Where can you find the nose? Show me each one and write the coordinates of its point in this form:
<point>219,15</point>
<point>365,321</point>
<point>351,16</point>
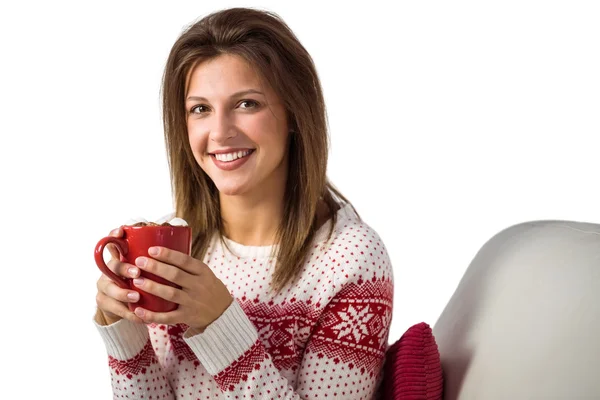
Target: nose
<point>222,128</point>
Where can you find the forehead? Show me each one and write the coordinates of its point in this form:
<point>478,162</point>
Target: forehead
<point>221,75</point>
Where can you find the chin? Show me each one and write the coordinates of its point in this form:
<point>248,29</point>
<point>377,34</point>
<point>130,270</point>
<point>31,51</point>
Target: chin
<point>231,188</point>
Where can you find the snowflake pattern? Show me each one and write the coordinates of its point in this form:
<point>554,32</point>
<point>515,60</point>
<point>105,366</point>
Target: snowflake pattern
<point>322,336</point>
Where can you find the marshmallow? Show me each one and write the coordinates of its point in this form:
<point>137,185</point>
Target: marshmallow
<point>136,220</point>
<point>172,222</point>
<point>178,222</point>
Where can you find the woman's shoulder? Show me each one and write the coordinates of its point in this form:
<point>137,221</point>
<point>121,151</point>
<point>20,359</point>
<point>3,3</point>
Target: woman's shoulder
<point>348,226</point>
<point>354,247</point>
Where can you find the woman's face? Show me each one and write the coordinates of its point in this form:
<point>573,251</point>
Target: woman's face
<point>237,127</point>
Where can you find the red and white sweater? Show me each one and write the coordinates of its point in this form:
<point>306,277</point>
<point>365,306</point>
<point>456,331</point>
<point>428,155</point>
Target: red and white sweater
<point>323,336</point>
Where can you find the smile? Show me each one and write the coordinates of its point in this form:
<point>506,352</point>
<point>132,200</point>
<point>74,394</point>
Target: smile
<point>228,157</point>
<point>232,159</point>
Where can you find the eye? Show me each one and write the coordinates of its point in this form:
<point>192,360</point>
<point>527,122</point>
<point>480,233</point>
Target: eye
<point>199,109</point>
<point>249,104</point>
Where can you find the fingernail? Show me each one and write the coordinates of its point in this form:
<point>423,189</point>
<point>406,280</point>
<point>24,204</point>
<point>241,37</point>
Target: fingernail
<point>133,272</point>
<point>153,251</point>
<point>141,261</point>
<point>138,281</point>
<point>135,296</point>
<point>139,312</point>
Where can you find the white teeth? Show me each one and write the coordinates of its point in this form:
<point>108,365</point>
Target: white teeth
<point>232,156</point>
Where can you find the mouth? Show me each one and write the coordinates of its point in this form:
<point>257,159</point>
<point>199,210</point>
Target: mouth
<point>230,156</point>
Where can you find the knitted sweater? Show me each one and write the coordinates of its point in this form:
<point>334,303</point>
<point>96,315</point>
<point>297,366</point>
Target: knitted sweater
<point>323,336</point>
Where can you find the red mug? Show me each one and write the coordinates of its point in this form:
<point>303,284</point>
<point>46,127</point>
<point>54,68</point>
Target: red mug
<point>135,243</point>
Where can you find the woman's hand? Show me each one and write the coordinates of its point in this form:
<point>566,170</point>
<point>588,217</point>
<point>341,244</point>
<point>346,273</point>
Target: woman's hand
<point>202,297</point>
<point>111,299</point>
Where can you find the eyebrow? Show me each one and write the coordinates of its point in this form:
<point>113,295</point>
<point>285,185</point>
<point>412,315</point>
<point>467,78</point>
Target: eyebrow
<point>237,94</point>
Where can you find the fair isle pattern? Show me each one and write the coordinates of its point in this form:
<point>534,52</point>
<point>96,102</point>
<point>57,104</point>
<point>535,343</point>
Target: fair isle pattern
<point>241,369</point>
<point>323,336</point>
<point>135,365</point>
<point>179,347</point>
<point>356,326</point>
<point>140,374</point>
<point>282,328</point>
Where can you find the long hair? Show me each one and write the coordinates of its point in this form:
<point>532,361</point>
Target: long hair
<point>264,40</point>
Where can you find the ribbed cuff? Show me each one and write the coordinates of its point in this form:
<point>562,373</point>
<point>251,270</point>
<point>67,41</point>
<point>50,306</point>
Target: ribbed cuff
<point>123,339</point>
<point>224,341</point>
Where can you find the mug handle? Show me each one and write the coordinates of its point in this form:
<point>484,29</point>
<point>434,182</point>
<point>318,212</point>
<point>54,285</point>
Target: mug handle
<point>99,257</point>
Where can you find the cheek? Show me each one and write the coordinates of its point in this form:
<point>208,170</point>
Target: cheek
<point>270,134</point>
<point>198,141</point>
<point>279,143</point>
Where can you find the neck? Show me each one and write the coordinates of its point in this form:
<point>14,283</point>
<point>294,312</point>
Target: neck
<point>253,220</point>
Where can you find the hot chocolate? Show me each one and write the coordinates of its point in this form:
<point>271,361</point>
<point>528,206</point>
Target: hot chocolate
<point>151,224</point>
<point>144,222</point>
<point>138,236</point>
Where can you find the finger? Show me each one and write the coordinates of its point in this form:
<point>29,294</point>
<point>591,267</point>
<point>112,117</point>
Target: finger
<point>123,269</point>
<point>167,318</point>
<point>166,271</point>
<point>118,232</point>
<point>110,305</point>
<point>158,289</point>
<point>187,263</point>
<point>114,291</point>
<point>114,252</point>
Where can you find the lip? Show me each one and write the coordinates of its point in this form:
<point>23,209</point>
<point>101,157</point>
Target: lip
<point>230,165</point>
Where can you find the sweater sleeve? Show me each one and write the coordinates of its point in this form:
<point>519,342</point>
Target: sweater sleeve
<point>134,369</point>
<point>343,357</point>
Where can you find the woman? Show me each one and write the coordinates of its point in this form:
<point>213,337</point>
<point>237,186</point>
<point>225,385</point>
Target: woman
<point>293,298</point>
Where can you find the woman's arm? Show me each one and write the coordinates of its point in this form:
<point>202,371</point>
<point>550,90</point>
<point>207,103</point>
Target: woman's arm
<point>134,369</point>
<point>343,357</point>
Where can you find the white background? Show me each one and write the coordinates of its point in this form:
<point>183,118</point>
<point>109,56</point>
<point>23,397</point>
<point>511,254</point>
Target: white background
<point>450,121</point>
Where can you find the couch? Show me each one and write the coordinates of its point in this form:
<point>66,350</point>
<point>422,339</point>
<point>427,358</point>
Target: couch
<point>524,321</point>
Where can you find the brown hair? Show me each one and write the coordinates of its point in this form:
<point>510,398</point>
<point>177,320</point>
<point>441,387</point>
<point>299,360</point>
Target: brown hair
<point>268,44</point>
